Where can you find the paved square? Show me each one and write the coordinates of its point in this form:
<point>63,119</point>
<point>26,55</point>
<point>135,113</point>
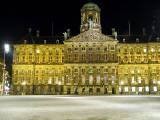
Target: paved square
<point>80,108</point>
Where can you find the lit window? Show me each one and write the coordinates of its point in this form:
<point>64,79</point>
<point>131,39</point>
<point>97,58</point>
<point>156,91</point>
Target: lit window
<point>112,81</point>
<point>113,77</point>
<point>152,49</point>
<point>90,71</point>
<point>38,51</point>
<point>98,79</point>
<point>138,71</point>
<point>132,71</point>
<point>132,80</point>
<point>147,89</point>
<point>140,89</point>
<point>139,81</point>
<point>126,89</point>
<point>120,89</point>
<point>145,50</point>
<point>154,81</point>
<point>50,81</point>
<point>56,80</point>
<point>159,82</point>
<point>62,79</point>
<point>155,88</point>
<point>90,79</point>
<point>83,79</point>
<point>133,89</point>
<point>105,78</point>
<point>122,82</point>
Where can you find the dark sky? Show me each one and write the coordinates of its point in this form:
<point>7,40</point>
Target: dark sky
<point>16,18</point>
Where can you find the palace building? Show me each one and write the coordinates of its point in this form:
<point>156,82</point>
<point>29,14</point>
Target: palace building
<point>90,63</point>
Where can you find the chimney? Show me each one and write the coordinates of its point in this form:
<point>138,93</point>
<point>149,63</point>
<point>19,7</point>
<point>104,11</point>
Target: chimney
<point>68,33</point>
<point>57,41</point>
<point>25,41</point>
<point>113,31</point>
<point>37,33</point>
<point>158,39</point>
<point>144,31</point>
<point>45,41</point>
<point>137,40</point>
<point>29,30</point>
<point>124,40</point>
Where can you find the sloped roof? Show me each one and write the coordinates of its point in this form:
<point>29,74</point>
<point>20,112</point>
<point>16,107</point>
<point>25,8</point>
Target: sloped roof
<point>90,36</point>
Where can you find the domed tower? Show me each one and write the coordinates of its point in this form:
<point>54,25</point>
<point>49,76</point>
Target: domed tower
<point>90,17</point>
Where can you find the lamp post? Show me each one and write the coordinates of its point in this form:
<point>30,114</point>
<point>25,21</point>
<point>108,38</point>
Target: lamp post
<point>6,50</point>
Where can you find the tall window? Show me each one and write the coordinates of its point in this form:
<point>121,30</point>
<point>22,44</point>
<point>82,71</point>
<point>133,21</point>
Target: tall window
<point>83,79</point>
<point>98,57</point>
<point>83,57</point>
<point>98,79</point>
<point>90,79</point>
<point>105,56</point>
<point>76,57</point>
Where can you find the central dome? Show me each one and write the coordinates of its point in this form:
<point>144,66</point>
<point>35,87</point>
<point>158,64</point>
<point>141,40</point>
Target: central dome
<point>90,4</point>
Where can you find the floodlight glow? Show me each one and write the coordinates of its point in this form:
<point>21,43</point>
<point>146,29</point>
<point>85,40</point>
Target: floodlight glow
<point>122,82</point>
<point>23,83</point>
<point>59,83</point>
<point>6,48</point>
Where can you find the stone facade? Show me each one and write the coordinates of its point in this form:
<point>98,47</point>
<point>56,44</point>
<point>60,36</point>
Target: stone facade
<point>90,63</point>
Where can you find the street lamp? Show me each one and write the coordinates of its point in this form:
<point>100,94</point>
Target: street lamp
<point>6,50</point>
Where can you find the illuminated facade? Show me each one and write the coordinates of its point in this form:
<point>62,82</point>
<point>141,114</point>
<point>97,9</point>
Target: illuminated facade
<point>90,63</point>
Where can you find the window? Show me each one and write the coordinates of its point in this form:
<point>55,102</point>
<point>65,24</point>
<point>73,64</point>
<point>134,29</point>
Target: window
<point>132,71</point>
<point>98,79</point>
<point>98,70</point>
<point>105,78</point>
<point>83,48</point>
<point>97,49</point>
<point>98,56</point>
<point>83,57</point>
<point>90,71</point>
<point>120,90</point>
<point>50,81</point>
<point>152,50</point>
<point>105,70</point>
<point>76,57</point>
<point>75,70</point>
<point>147,89</point>
<point>145,50</point>
<point>90,49</point>
<point>105,56</point>
<point>140,89</point>
<point>75,49</point>
<point>90,79</point>
<point>69,49</point>
<point>126,89</point>
<point>105,49</point>
<point>133,89</point>
<point>132,79</point>
<point>155,88</point>
<point>38,51</point>
<point>139,80</point>
<point>122,82</point>
<point>83,79</point>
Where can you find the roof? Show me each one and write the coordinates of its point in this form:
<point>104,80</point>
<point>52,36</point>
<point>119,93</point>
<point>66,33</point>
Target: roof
<point>90,4</point>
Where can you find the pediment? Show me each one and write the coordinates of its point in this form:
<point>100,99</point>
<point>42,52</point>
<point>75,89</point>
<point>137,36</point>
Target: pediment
<point>90,36</point>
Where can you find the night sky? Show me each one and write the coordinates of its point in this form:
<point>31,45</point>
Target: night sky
<point>16,18</point>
